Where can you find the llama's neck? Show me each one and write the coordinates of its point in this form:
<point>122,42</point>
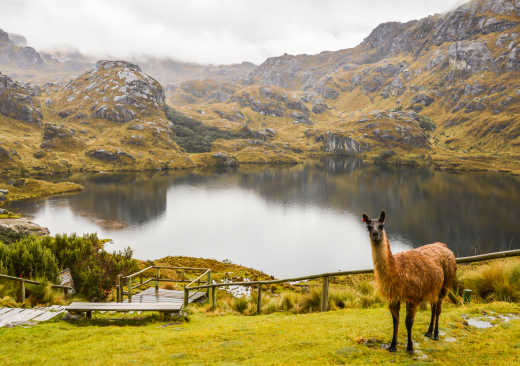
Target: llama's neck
<point>384,262</point>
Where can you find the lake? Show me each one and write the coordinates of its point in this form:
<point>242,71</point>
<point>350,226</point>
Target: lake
<point>289,220</point>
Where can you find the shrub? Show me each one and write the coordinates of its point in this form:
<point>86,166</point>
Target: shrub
<point>240,304</point>
<point>342,299</point>
<point>310,302</point>
<point>426,123</point>
<point>288,301</point>
<point>29,258</point>
<point>93,269</point>
<point>43,293</point>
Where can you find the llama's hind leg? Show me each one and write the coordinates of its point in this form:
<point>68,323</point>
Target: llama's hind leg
<point>394,309</point>
<point>410,316</point>
<point>438,308</point>
<point>429,333</point>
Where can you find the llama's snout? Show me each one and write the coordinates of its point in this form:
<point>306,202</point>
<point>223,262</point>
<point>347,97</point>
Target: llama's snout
<point>376,236</point>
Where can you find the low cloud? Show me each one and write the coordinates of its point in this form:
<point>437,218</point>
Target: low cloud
<point>205,31</point>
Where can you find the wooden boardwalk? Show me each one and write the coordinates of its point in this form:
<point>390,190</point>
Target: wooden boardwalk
<point>166,301</point>
<point>10,317</point>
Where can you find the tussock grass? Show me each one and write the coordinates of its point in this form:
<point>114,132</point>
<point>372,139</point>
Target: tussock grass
<point>496,281</point>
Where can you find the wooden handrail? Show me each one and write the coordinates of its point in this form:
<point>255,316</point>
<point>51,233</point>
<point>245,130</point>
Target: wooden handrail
<point>325,277</point>
<point>20,279</point>
<point>23,281</point>
<point>162,267</point>
<point>198,278</point>
<point>473,258</point>
<point>488,256</point>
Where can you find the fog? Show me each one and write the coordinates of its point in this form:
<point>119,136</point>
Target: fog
<point>205,31</point>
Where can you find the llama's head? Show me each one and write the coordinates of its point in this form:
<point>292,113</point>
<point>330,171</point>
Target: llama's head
<point>375,227</point>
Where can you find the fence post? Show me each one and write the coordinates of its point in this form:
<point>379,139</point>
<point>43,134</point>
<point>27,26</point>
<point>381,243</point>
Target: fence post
<point>119,289</point>
<point>186,296</point>
<point>325,294</point>
<point>213,297</point>
<point>259,300</point>
<point>129,289</point>
<point>157,276</point>
<point>209,282</point>
<point>23,291</point>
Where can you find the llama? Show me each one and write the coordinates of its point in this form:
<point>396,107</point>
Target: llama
<point>422,274</point>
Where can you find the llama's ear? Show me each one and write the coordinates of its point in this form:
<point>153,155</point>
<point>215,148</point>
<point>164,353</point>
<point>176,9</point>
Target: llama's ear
<point>365,218</point>
<point>382,217</point>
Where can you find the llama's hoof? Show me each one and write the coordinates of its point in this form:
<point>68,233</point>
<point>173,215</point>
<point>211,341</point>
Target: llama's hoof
<point>435,337</point>
<point>392,348</point>
<point>428,334</point>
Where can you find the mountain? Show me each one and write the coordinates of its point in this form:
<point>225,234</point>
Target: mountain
<point>441,91</point>
<point>453,75</point>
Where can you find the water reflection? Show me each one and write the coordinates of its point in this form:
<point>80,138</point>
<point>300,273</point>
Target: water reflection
<point>289,220</point>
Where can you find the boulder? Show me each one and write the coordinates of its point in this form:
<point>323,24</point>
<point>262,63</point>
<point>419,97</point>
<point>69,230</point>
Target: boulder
<point>300,117</point>
<point>14,229</point>
<point>423,99</point>
<point>117,113</point>
<point>224,160</point>
<point>109,156</point>
<point>54,134</point>
<point>319,108</point>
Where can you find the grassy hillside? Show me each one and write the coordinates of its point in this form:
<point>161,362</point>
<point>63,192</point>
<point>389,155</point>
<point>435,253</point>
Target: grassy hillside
<point>351,337</point>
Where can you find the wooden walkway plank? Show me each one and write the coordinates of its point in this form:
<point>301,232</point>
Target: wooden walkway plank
<point>48,315</point>
<point>19,316</point>
<point>125,307</point>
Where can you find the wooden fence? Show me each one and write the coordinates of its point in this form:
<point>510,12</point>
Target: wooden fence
<point>325,280</point>
<point>156,278</point>
<point>23,281</point>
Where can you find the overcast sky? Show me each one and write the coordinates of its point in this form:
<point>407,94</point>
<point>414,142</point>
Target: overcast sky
<point>206,31</point>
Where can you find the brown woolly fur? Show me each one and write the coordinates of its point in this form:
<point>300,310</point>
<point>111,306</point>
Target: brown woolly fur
<point>422,274</point>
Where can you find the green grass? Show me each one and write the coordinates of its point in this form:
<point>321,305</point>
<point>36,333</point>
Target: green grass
<point>352,336</point>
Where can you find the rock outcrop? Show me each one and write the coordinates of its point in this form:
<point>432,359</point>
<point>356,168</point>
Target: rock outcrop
<point>115,90</point>
<point>111,156</point>
<point>14,229</point>
<point>16,101</point>
<point>339,144</point>
<point>14,51</point>
<point>55,135</point>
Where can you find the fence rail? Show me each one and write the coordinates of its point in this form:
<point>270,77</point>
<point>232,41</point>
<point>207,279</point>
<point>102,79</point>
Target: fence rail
<point>325,279</point>
<point>23,281</point>
<point>156,277</point>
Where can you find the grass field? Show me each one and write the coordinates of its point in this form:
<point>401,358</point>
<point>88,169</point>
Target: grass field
<point>351,336</point>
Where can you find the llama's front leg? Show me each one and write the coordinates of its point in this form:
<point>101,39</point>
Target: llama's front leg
<point>394,309</point>
<point>432,320</point>
<point>410,316</point>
